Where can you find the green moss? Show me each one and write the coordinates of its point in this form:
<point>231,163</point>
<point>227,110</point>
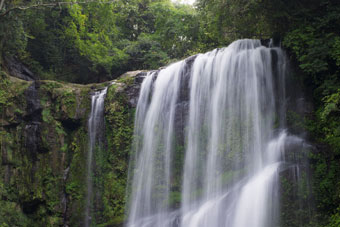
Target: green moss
<point>40,177</point>
<point>12,98</point>
<point>127,80</point>
<point>58,169</point>
<point>175,199</point>
<point>11,215</point>
<point>50,85</point>
<point>112,163</point>
<point>46,115</point>
<point>68,100</point>
<point>295,121</point>
<point>75,183</point>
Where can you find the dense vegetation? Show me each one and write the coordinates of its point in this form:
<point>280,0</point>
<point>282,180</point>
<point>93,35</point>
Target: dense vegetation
<point>96,41</point>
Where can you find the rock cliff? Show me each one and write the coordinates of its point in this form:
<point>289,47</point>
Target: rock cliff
<point>44,142</point>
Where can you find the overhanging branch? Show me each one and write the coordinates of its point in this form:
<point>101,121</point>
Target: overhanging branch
<point>54,4</point>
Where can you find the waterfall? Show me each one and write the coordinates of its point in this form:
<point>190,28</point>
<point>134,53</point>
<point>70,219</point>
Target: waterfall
<point>94,126</point>
<point>212,130</point>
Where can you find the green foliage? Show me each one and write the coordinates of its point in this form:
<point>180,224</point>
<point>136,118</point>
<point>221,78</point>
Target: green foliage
<point>11,215</point>
<point>176,28</point>
<point>336,50</point>
<point>146,53</point>
<point>93,32</point>
<point>335,220</point>
<point>224,21</point>
<point>330,120</point>
<point>311,49</point>
<point>99,40</point>
<point>46,115</point>
<point>13,38</point>
<point>12,90</point>
<point>74,185</point>
<point>332,104</point>
<point>314,44</point>
<point>175,199</point>
<point>3,92</point>
<point>119,131</point>
<point>326,189</point>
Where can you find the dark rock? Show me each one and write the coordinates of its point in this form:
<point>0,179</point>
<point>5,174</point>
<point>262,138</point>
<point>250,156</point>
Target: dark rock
<point>33,139</point>
<point>33,109</point>
<point>274,42</point>
<point>181,117</point>
<point>182,106</point>
<point>33,135</point>
<point>296,150</point>
<point>140,77</point>
<point>132,91</point>
<point>190,60</point>
<point>71,124</point>
<point>17,69</point>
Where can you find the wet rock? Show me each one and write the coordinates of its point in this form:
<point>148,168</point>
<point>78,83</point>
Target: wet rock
<point>33,109</point>
<point>181,118</point>
<point>274,42</point>
<point>133,84</point>
<point>33,135</point>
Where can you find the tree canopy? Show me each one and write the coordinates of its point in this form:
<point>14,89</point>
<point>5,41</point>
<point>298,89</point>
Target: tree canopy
<point>89,41</point>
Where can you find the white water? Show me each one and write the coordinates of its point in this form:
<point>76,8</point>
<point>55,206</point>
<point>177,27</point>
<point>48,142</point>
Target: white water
<point>233,152</point>
<point>94,122</point>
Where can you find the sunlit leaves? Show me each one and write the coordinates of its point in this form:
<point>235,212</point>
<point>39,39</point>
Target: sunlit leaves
<point>93,31</point>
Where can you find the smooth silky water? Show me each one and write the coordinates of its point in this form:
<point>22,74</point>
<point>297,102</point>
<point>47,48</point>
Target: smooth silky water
<point>94,127</point>
<point>234,140</point>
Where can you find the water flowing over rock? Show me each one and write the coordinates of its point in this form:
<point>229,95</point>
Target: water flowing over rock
<point>95,126</point>
<point>211,129</point>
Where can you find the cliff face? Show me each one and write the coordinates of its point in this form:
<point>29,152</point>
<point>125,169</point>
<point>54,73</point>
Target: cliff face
<point>44,143</point>
<point>44,147</point>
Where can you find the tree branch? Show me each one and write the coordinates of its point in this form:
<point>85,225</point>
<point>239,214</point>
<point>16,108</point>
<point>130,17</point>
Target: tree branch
<point>48,5</point>
<point>1,4</point>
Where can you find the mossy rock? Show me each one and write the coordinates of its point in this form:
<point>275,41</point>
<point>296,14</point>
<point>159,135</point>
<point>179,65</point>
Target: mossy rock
<point>45,186</point>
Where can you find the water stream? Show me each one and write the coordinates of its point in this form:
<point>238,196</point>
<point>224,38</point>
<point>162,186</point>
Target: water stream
<point>210,131</point>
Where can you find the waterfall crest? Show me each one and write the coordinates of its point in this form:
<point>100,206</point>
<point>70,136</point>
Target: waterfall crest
<point>226,109</point>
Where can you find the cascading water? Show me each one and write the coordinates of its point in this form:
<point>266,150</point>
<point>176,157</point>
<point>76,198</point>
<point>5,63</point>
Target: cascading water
<point>232,102</point>
<point>94,126</point>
